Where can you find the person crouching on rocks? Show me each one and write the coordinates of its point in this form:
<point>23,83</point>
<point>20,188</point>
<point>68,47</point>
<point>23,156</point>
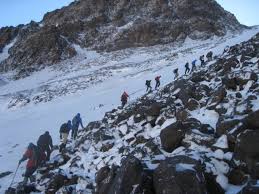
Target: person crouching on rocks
<point>148,84</point>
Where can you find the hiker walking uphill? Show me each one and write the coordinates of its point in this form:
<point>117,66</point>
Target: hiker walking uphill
<point>148,84</point>
<point>209,56</point>
<point>64,132</point>
<point>202,61</point>
<point>124,99</point>
<point>176,74</point>
<point>76,121</point>
<point>35,159</point>
<point>45,144</point>
<point>194,65</point>
<point>187,68</point>
<point>157,79</point>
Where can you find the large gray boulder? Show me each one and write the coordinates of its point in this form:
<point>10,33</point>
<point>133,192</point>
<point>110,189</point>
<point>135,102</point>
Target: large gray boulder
<point>179,175</point>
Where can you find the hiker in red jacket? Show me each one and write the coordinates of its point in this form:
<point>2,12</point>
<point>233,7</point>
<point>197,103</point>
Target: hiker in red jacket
<point>35,158</point>
<point>124,99</point>
<point>157,81</point>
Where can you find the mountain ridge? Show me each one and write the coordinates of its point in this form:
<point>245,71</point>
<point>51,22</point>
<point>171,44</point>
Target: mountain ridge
<point>111,25</point>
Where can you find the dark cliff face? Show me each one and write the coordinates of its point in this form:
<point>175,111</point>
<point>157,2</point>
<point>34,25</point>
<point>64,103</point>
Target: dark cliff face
<point>113,25</point>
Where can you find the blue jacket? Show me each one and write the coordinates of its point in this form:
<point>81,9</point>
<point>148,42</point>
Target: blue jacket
<point>76,122</point>
<point>193,63</point>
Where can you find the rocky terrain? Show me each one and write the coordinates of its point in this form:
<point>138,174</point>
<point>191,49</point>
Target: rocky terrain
<point>198,134</point>
<point>107,25</point>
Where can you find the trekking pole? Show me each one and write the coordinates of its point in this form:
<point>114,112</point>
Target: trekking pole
<point>14,175</point>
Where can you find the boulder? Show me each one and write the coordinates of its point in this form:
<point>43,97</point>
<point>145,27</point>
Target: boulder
<point>101,136</point>
<point>237,177</point>
<point>56,183</point>
<point>172,136</point>
<point>104,179</point>
<point>129,178</point>
<point>223,127</point>
<point>153,110</point>
<point>192,104</point>
<point>250,188</point>
<point>179,175</point>
<point>247,150</point>
<point>252,121</point>
<point>212,185</point>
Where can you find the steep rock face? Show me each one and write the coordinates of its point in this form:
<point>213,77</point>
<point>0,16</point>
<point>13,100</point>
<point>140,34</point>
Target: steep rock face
<point>114,25</point>
<point>7,34</point>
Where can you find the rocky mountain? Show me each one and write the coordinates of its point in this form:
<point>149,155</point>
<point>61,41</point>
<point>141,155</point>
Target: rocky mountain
<point>107,25</point>
<point>198,134</point>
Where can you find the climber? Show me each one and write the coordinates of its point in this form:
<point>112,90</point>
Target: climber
<point>176,74</point>
<point>76,121</point>
<point>202,61</point>
<point>187,69</point>
<point>64,132</point>
<point>124,99</point>
<point>209,56</point>
<point>148,84</point>
<point>193,65</point>
<point>157,79</point>
<point>35,159</point>
<point>45,144</point>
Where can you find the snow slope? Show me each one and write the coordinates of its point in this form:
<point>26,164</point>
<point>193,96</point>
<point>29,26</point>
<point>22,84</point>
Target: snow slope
<point>91,83</point>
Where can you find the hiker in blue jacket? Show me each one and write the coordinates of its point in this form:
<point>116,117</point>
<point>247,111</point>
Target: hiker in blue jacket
<point>75,125</point>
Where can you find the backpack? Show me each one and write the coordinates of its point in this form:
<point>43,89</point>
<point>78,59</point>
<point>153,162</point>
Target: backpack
<point>148,82</point>
<point>63,128</point>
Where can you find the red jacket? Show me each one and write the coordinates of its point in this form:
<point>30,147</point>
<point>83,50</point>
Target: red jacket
<point>158,78</point>
<point>124,96</point>
<point>32,162</point>
<point>34,158</point>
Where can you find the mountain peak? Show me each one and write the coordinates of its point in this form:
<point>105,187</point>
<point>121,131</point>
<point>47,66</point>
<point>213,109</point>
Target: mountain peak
<point>106,25</point>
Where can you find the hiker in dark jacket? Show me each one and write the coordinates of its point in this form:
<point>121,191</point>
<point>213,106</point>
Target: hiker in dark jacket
<point>187,68</point>
<point>176,73</point>
<point>124,99</point>
<point>64,132</point>
<point>45,144</point>
<point>209,56</point>
<point>194,65</point>
<point>202,61</point>
<point>157,81</point>
<point>76,121</point>
<point>148,84</point>
<point>35,159</point>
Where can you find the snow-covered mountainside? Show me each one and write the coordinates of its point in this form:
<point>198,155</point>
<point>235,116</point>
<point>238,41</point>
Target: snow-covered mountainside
<point>109,25</point>
<point>196,118</point>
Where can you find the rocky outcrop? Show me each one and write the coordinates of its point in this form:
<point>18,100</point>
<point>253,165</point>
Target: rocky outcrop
<point>171,137</point>
<point>179,175</point>
<point>129,178</point>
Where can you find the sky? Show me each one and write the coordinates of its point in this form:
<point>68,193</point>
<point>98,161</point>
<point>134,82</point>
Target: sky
<point>14,12</point>
<point>246,11</point>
